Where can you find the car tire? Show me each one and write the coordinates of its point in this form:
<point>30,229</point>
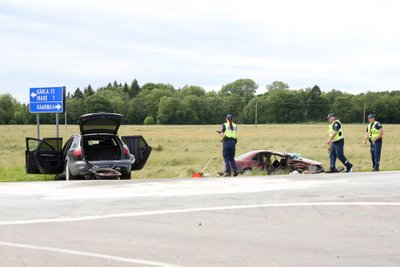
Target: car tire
<point>126,176</point>
<point>247,171</point>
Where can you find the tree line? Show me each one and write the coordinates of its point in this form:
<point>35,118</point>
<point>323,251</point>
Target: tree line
<point>159,103</point>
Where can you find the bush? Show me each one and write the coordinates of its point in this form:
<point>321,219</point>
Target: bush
<point>149,120</point>
<point>12,122</point>
<point>158,148</point>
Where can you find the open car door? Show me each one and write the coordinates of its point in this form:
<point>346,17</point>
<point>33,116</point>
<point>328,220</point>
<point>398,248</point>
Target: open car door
<point>139,148</point>
<point>44,156</point>
<point>30,161</point>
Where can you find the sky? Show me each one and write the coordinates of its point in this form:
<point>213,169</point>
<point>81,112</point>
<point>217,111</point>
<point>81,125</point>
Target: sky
<point>348,45</point>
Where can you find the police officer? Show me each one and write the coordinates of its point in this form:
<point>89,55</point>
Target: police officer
<point>374,135</point>
<point>336,143</point>
<point>229,139</point>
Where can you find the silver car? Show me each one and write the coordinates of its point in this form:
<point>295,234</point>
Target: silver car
<point>96,152</point>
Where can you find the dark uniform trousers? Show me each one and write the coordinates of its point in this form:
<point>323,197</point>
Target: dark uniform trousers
<point>228,151</point>
<point>376,149</point>
<point>337,152</point>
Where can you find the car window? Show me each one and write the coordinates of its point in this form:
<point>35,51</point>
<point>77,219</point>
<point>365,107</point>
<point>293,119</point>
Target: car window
<point>50,144</point>
<point>100,125</point>
<point>261,157</point>
<point>68,144</point>
<point>99,141</point>
<point>33,144</point>
<point>75,142</point>
<point>244,155</point>
<point>93,142</point>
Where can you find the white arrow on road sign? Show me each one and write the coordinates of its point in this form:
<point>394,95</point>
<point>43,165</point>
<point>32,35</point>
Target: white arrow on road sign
<point>33,94</point>
<point>58,107</point>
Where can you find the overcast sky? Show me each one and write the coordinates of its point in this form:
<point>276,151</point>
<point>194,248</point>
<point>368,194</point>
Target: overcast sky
<point>350,45</point>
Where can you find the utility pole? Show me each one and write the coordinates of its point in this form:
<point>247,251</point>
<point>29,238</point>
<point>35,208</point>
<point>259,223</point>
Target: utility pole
<point>65,116</point>
<point>65,108</point>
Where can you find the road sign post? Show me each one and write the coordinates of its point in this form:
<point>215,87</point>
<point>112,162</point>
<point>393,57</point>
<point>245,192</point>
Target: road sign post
<point>57,126</point>
<point>38,125</point>
<point>46,100</point>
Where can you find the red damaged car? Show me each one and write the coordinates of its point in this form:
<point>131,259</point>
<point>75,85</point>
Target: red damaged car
<point>272,162</point>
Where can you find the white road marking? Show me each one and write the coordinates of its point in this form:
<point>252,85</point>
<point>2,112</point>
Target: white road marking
<point>79,190</point>
<point>234,207</point>
<point>87,254</point>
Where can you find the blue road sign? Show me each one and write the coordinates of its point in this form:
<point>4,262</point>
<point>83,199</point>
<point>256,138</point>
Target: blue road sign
<point>46,100</point>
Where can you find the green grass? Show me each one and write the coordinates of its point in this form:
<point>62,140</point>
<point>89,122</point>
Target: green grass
<point>181,150</point>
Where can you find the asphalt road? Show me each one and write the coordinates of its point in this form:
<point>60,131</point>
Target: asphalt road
<point>306,220</point>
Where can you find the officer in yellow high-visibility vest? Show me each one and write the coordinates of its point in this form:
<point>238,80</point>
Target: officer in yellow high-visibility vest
<point>336,143</point>
<point>229,139</point>
<point>374,135</point>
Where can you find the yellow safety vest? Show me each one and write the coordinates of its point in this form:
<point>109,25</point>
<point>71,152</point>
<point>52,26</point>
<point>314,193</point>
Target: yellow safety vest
<point>230,133</point>
<point>339,134</point>
<point>372,131</point>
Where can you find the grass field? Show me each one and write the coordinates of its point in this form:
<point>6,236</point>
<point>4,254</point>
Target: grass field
<point>181,150</point>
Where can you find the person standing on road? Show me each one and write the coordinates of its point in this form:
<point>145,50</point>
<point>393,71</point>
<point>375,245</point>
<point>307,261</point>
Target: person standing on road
<point>374,135</point>
<point>336,144</point>
<point>229,140</point>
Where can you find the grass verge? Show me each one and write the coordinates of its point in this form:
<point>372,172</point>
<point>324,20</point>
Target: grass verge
<point>180,151</point>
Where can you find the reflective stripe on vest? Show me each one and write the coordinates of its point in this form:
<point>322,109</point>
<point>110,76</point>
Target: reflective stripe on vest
<point>339,134</point>
<point>372,131</point>
<point>230,133</point>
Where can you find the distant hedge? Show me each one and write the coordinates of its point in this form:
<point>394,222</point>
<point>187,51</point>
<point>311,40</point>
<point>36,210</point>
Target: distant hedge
<point>163,104</point>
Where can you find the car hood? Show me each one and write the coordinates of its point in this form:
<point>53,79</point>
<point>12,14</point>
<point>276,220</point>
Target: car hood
<point>100,123</point>
<point>297,157</point>
<point>310,161</point>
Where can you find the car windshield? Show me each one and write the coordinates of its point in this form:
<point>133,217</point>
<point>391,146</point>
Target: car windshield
<point>294,156</point>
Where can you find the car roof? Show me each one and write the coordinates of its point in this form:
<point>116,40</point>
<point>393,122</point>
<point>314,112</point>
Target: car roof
<point>254,152</point>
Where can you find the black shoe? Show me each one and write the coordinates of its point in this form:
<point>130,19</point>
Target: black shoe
<point>332,171</point>
<point>227,175</point>
<point>235,174</point>
<point>349,167</point>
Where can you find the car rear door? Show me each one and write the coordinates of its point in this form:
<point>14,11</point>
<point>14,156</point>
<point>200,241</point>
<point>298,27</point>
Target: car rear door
<point>30,159</point>
<point>139,148</point>
<point>44,156</point>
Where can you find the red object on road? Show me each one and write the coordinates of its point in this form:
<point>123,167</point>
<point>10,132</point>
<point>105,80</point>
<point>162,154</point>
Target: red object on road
<point>201,173</point>
<point>197,175</point>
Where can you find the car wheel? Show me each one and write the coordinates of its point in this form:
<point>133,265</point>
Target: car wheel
<point>126,176</point>
<point>247,171</point>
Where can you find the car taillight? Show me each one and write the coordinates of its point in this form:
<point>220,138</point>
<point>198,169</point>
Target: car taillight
<point>78,152</point>
<point>126,151</point>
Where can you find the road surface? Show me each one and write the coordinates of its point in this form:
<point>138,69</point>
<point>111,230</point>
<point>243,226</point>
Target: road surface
<point>305,220</point>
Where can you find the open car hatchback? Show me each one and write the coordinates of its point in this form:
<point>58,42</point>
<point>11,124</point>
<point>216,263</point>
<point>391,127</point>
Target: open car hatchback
<point>97,152</point>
